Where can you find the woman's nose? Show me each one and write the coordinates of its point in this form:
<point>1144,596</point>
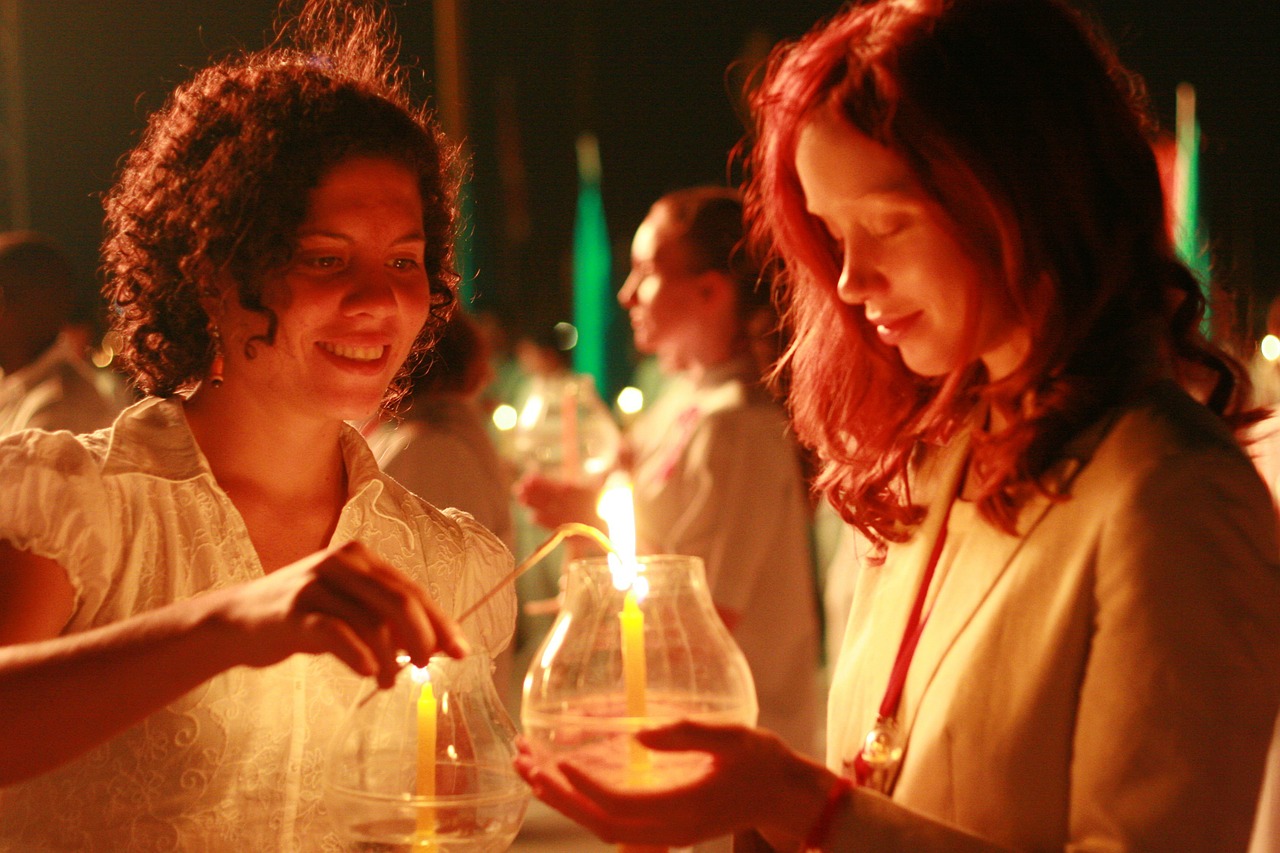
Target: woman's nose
<point>858,277</point>
<point>371,292</point>
<point>627,293</point>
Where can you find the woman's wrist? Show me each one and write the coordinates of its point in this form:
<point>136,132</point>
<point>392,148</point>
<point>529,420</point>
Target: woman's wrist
<point>838,796</point>
<point>799,804</point>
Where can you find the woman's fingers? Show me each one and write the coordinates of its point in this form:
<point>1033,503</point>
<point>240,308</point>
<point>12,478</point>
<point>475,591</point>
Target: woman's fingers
<point>550,786</point>
<point>425,614</point>
<point>418,625</point>
<point>325,610</point>
<point>692,735</point>
<point>337,638</point>
<point>708,801</point>
<point>345,600</point>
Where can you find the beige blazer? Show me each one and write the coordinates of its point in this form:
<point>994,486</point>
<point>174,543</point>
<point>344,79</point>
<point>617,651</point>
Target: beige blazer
<point>1105,681</point>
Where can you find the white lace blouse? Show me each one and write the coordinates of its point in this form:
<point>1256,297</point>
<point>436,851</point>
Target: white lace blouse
<point>135,516</point>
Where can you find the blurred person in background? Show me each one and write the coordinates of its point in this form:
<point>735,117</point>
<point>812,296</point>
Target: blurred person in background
<point>438,445</point>
<point>45,380</point>
<point>715,471</point>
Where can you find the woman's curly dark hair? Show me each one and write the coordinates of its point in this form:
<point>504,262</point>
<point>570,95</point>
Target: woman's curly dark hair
<point>219,184</point>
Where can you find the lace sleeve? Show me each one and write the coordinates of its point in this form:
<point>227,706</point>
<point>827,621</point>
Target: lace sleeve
<point>54,504</point>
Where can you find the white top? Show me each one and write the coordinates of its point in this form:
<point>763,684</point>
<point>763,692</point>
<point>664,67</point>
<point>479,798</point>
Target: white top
<point>443,453</point>
<point>716,476</point>
<point>137,519</point>
<point>56,391</point>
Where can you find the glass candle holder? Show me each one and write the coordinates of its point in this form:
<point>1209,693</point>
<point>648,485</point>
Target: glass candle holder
<point>565,430</point>
<point>626,654</point>
<point>427,764</point>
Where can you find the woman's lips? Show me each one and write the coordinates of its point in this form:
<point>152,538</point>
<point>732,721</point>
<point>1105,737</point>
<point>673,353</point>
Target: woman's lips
<point>359,358</point>
<point>892,330</point>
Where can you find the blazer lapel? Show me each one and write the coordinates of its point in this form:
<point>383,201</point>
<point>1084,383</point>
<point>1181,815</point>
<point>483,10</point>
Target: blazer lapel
<point>984,555</point>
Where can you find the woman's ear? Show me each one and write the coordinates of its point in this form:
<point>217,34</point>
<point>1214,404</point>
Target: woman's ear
<point>718,290</point>
<point>214,300</point>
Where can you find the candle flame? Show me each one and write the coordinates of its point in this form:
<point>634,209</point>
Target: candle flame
<point>617,508</point>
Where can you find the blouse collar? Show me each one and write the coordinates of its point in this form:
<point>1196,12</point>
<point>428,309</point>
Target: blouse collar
<point>153,436</point>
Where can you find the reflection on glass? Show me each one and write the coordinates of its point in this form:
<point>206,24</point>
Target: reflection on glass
<point>565,431</point>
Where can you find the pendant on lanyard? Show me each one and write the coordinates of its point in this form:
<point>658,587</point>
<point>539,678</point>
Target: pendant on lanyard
<point>881,753</point>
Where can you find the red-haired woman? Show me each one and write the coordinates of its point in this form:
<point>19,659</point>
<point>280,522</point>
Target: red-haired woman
<point>1071,637</point>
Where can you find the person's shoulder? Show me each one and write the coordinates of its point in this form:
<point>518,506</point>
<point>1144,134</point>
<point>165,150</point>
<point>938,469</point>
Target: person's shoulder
<point>746,409</point>
<point>1167,443</point>
<point>440,524</point>
<point>1166,421</point>
<point>60,451</point>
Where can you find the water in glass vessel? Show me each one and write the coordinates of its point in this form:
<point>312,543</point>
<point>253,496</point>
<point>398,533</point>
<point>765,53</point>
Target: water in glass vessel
<point>427,765</point>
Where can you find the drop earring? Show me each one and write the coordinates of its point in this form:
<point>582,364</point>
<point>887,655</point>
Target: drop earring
<point>215,365</point>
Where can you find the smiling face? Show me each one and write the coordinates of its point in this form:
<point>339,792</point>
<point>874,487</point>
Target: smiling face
<point>901,259</point>
<point>349,303</point>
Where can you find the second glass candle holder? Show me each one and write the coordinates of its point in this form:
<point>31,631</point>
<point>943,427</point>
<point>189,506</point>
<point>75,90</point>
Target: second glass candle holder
<point>632,650</point>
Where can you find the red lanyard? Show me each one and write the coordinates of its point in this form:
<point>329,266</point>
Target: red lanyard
<point>883,738</point>
<point>911,634</point>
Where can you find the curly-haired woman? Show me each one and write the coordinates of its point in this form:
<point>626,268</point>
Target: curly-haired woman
<point>1071,638</point>
<point>278,250</point>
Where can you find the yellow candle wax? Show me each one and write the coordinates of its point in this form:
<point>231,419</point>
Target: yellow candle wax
<point>425,832</point>
<point>633,672</point>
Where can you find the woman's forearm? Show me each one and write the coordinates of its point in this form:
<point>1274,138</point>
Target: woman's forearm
<point>61,697</point>
<point>872,823</point>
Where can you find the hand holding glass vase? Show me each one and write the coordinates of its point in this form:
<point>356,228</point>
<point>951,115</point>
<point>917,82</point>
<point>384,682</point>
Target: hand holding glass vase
<point>637,645</point>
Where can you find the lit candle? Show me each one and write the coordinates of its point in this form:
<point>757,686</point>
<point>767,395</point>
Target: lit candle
<point>633,672</point>
<point>632,619</point>
<point>617,508</point>
<point>424,836</point>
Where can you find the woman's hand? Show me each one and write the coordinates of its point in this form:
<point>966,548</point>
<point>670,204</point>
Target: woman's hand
<point>556,502</point>
<point>346,601</point>
<point>753,782</point>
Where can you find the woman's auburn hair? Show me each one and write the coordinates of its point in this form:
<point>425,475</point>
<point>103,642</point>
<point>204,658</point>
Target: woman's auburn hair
<point>220,182</point>
<point>1019,120</point>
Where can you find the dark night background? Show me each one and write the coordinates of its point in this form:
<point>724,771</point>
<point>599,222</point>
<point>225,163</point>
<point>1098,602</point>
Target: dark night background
<point>647,76</point>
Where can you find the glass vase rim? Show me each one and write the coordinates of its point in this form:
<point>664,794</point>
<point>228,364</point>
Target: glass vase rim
<point>646,560</point>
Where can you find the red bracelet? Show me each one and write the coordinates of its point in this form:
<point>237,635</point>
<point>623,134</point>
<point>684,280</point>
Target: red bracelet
<point>840,789</point>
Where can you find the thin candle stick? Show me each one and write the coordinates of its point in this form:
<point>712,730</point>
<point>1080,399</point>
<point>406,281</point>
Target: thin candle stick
<point>561,533</point>
<point>424,836</point>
